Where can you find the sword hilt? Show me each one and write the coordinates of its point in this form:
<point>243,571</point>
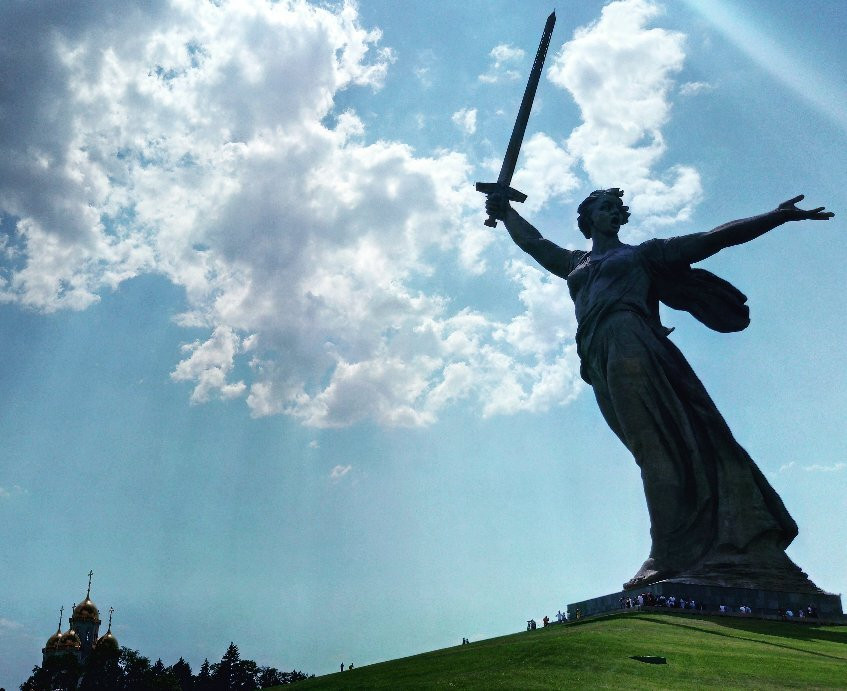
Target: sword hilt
<point>510,193</point>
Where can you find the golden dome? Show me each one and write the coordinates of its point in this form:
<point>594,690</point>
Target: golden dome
<point>86,610</point>
<point>55,641</point>
<point>107,641</point>
<point>70,640</point>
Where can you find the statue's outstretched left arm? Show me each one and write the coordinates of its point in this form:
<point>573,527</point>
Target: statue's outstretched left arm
<point>699,246</point>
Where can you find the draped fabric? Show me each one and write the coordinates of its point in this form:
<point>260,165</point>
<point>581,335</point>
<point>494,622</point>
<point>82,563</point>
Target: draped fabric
<point>705,495</point>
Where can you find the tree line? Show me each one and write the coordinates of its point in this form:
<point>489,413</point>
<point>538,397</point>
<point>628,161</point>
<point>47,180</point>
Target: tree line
<point>128,670</point>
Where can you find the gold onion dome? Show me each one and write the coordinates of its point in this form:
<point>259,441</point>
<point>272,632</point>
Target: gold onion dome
<point>86,610</point>
<point>70,640</point>
<point>107,642</point>
<point>55,641</point>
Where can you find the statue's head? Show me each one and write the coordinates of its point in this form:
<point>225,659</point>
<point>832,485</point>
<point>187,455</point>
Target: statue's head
<point>595,201</point>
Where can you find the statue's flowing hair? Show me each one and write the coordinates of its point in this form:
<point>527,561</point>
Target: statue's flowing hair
<point>584,210</point>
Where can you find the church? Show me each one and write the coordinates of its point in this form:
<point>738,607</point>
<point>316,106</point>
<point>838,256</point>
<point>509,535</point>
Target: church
<point>81,638</point>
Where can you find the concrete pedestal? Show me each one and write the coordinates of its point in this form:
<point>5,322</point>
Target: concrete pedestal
<point>763,603</point>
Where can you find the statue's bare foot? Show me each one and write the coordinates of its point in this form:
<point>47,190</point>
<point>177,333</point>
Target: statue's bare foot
<point>650,572</point>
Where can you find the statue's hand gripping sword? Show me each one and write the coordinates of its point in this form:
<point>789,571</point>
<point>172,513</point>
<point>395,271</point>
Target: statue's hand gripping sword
<point>502,185</point>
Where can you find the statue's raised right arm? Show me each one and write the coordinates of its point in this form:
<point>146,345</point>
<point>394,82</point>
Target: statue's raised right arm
<point>557,260</point>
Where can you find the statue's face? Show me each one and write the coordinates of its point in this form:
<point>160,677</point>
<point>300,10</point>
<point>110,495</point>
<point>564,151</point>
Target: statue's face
<point>606,216</point>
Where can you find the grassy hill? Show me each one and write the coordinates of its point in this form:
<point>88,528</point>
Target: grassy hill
<point>701,652</point>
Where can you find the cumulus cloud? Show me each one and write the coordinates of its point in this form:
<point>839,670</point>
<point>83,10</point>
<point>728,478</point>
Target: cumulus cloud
<point>620,73</point>
<point>465,120</point>
<point>546,173</point>
<point>200,142</point>
<point>209,364</point>
<point>503,58</point>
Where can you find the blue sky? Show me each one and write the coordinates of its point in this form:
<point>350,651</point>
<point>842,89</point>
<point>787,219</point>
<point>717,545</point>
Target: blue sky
<point>268,375</point>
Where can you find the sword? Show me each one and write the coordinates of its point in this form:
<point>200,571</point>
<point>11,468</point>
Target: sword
<point>502,186</point>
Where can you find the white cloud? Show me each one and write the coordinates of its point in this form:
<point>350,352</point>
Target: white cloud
<point>545,174</point>
<point>193,141</point>
<point>7,626</point>
<point>209,364</point>
<point>426,60</point>
<point>620,73</point>
<point>503,56</point>
<point>340,471</point>
<point>815,468</point>
<point>465,120</point>
<point>14,490</point>
<point>694,88</point>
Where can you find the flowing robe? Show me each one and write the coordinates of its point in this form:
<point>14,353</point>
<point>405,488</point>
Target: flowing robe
<point>705,495</point>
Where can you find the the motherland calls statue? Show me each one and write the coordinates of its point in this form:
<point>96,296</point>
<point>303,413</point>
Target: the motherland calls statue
<point>715,519</point>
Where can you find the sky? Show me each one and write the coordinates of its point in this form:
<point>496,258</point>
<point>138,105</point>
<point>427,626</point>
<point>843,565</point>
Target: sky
<point>269,376</point>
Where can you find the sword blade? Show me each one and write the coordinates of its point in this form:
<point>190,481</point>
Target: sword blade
<point>510,160</point>
<point>513,149</point>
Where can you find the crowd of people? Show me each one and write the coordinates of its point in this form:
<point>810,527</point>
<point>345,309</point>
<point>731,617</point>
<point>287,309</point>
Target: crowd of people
<point>649,599</point>
<point>652,600</point>
<point>561,618</point>
<point>810,612</point>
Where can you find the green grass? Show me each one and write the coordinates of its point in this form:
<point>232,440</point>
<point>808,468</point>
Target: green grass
<point>701,652</point>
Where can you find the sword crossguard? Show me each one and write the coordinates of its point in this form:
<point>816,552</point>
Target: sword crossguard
<point>508,192</point>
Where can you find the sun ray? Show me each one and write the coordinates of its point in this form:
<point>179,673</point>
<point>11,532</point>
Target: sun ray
<point>806,82</point>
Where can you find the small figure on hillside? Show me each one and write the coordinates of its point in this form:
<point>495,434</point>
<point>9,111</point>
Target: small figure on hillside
<point>350,667</point>
<point>342,666</point>
<point>546,620</point>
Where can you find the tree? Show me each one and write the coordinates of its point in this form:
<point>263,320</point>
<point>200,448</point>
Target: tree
<point>203,681</point>
<point>109,669</point>
<point>59,673</point>
<point>162,679</point>
<point>136,669</point>
<point>102,670</point>
<point>181,671</point>
<point>269,676</point>
<point>232,673</point>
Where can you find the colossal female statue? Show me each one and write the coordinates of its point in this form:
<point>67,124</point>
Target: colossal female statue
<point>714,517</point>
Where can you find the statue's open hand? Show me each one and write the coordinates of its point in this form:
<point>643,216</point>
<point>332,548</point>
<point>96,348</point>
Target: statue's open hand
<point>496,206</point>
<point>792,213</point>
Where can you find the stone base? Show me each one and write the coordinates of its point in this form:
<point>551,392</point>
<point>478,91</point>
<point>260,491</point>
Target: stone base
<point>709,598</point>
